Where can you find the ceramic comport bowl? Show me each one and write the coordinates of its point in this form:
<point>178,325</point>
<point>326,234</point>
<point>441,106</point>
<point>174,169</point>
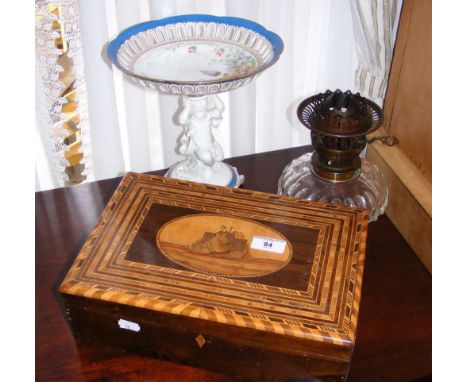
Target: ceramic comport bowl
<point>195,55</point>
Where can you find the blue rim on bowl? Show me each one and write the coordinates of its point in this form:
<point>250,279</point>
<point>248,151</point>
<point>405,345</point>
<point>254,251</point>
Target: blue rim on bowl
<point>115,45</point>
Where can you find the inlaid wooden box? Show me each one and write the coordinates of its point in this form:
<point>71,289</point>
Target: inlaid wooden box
<point>250,284</point>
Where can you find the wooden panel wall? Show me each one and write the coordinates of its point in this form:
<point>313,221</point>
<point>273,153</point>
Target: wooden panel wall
<point>408,116</point>
<point>408,104</point>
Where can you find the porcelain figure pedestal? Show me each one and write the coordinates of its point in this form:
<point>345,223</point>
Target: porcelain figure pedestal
<point>204,155</point>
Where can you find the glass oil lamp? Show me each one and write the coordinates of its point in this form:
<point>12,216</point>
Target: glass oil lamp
<point>334,172</point>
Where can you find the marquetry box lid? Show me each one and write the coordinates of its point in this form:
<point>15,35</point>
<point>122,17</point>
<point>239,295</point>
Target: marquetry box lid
<point>238,259</point>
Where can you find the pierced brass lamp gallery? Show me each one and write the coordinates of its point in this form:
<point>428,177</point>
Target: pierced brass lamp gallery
<point>334,172</point>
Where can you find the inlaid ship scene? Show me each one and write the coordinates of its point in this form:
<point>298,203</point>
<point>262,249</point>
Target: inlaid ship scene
<point>221,249</point>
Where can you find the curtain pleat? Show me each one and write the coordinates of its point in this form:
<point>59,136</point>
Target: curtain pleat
<point>243,101</point>
<point>134,124</point>
<point>163,127</point>
<point>375,27</point>
<point>106,146</point>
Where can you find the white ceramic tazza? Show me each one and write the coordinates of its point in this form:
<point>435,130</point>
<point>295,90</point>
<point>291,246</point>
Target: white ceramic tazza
<point>197,57</point>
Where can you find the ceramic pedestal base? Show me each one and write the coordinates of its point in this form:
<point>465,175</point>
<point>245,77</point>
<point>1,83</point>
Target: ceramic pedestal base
<point>222,175</point>
<point>204,155</point>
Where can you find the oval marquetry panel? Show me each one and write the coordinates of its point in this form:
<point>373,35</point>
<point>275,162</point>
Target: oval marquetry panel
<point>222,245</point>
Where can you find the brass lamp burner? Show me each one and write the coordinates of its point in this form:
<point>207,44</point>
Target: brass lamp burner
<point>339,123</point>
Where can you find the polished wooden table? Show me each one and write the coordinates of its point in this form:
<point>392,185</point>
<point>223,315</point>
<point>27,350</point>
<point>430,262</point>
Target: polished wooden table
<point>394,330</point>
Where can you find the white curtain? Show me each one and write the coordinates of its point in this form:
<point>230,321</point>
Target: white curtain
<point>375,28</point>
<point>133,129</point>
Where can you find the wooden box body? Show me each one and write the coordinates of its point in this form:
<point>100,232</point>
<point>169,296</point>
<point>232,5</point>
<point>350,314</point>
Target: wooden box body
<point>177,270</point>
